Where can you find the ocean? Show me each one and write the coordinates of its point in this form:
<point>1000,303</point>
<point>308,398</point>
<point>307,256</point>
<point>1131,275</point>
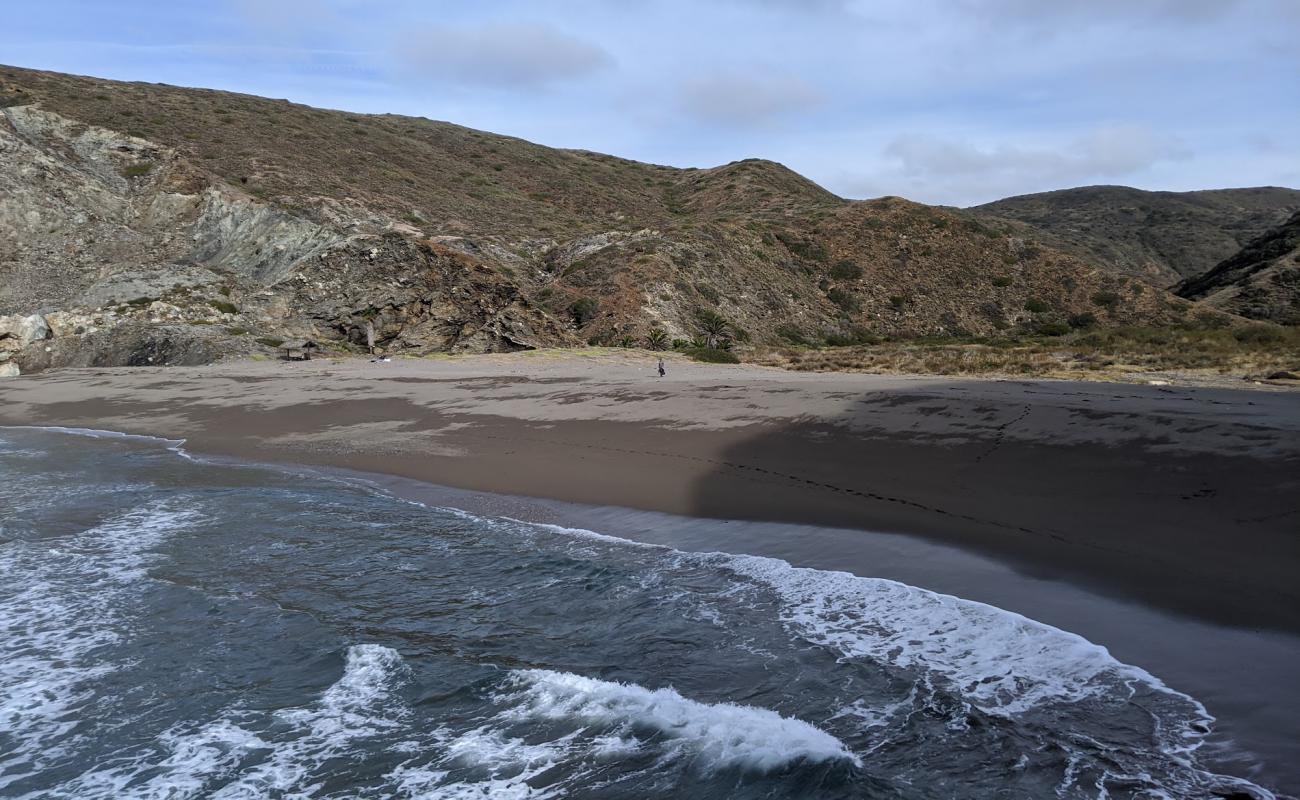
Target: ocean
<point>172,627</point>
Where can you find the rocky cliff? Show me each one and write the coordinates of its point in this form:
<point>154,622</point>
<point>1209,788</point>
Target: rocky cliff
<point>142,223</point>
<point>1262,281</point>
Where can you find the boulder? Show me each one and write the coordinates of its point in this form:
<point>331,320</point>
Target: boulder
<point>9,370</point>
<point>16,332</point>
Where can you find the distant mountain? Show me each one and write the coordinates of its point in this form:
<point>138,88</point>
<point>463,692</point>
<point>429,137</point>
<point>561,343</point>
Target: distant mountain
<point>1262,281</point>
<point>143,223</point>
<point>1162,237</point>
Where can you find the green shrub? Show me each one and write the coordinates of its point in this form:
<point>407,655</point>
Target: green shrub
<point>269,341</point>
<point>583,310</point>
<point>1085,320</point>
<point>792,334</point>
<point>140,302</point>
<point>1259,334</point>
<point>846,271</point>
<point>843,299</point>
<point>224,307</point>
<point>712,355</point>
<point>1001,280</point>
<point>1036,306</point>
<point>136,170</point>
<point>657,339</point>
<point>855,336</point>
<point>1105,299</point>
<point>898,301</point>
<point>802,248</point>
<point>1052,329</point>
<point>681,344</point>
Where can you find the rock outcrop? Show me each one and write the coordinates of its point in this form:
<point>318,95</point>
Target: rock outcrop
<point>1260,282</point>
<point>136,257</point>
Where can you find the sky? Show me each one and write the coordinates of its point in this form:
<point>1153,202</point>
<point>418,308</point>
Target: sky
<point>943,101</point>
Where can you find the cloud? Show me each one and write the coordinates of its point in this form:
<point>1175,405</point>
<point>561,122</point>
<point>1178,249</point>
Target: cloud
<point>1036,12</point>
<point>928,166</point>
<point>522,55</point>
<point>745,100</point>
<point>1104,153</point>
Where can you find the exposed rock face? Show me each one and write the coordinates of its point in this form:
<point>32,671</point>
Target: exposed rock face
<point>1260,282</point>
<point>104,227</point>
<point>17,332</point>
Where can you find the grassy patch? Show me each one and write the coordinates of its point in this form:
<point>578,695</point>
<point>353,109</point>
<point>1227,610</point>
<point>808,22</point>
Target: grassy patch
<point>224,306</point>
<point>712,355</point>
<point>1055,349</point>
<point>136,170</point>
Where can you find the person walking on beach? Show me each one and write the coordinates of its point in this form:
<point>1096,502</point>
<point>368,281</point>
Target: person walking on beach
<point>662,371</point>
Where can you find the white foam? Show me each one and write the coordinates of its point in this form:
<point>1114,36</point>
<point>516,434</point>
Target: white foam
<point>354,708</point>
<point>194,758</point>
<point>999,661</point>
<point>175,445</point>
<point>58,607</point>
<point>715,736</point>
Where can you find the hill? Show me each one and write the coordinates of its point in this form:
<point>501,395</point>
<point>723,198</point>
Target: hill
<point>145,223</point>
<point>1162,237</point>
<point>1262,281</point>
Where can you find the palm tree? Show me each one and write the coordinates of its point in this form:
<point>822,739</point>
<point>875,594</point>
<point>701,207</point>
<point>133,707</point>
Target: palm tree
<point>714,327</point>
<point>627,342</point>
<point>657,339</point>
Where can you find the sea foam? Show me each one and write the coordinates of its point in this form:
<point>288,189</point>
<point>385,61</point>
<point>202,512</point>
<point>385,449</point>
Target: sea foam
<point>999,661</point>
<point>715,736</point>
<point>61,601</point>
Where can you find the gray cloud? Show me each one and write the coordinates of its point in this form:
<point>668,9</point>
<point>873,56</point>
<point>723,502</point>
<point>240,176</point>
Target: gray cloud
<point>1013,12</point>
<point>510,55</point>
<point>1106,152</point>
<point>964,172</point>
<point>735,99</point>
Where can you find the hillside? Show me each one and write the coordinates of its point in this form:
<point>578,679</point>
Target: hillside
<point>1162,237</point>
<point>145,223</point>
<point>1262,281</point>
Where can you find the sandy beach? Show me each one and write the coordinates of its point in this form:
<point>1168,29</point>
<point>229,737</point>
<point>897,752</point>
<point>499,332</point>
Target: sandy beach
<point>1184,499</point>
<point>1159,521</point>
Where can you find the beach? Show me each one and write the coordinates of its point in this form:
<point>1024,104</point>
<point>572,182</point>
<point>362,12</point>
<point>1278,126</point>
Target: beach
<point>1185,499</point>
<point>1156,521</point>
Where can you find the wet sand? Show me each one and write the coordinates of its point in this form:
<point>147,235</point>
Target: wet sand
<point>1185,499</point>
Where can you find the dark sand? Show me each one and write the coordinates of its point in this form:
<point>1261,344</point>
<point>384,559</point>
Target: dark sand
<point>1162,522</point>
<point>1183,499</point>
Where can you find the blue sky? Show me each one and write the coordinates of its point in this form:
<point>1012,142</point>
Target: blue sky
<point>943,101</point>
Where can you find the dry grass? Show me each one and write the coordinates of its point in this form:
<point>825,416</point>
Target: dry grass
<point>1116,354</point>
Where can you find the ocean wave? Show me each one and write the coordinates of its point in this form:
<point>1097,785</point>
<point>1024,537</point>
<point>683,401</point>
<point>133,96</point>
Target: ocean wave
<point>239,757</point>
<point>714,736</point>
<point>177,446</point>
<point>1001,662</point>
<point>60,606</point>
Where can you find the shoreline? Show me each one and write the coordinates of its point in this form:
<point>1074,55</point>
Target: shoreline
<point>1178,498</point>
<point>1242,678</point>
